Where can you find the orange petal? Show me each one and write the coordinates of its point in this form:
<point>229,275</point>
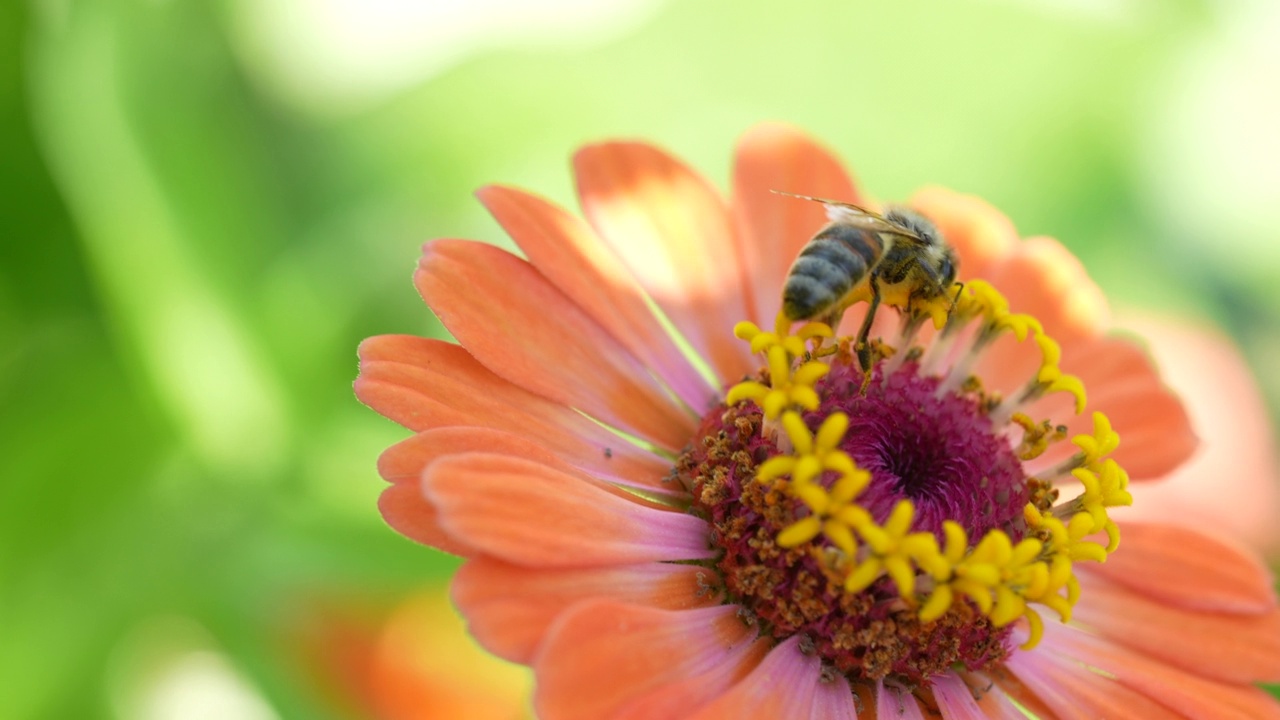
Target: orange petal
<point>529,514</point>
<point>1188,569</point>
<point>1231,482</point>
<point>679,698</point>
<point>424,384</point>
<point>894,704</point>
<point>522,328</point>
<point>1042,278</point>
<point>1007,365</point>
<point>994,703</point>
<point>781,687</point>
<point>672,229</point>
<point>979,233</point>
<point>1155,431</point>
<point>1191,695</point>
<point>418,452</point>
<point>773,228</point>
<point>833,700</point>
<point>409,513</point>
<point>957,701</point>
<point>602,655</point>
<point>404,461</point>
<point>1072,692</point>
<point>1230,648</point>
<point>1109,360</point>
<point>566,251</point>
<point>1013,690</point>
<point>509,607</point>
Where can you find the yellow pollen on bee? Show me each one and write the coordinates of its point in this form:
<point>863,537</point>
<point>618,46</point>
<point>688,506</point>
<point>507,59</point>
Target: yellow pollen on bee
<point>938,308</point>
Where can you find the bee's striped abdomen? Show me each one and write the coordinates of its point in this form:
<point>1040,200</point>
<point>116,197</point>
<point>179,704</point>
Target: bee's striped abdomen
<point>829,266</point>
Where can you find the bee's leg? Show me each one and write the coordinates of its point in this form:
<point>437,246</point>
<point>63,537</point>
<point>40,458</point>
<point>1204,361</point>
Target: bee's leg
<point>831,319</point>
<point>862,346</point>
<point>956,299</point>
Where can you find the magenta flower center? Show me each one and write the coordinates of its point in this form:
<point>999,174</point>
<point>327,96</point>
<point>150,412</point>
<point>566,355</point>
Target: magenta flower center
<point>938,450</point>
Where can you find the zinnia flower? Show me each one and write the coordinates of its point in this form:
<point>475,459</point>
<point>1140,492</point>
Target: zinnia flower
<point>673,505</point>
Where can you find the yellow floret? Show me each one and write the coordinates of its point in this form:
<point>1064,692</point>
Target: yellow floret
<point>793,343</point>
<point>785,389</point>
<point>1101,443</point>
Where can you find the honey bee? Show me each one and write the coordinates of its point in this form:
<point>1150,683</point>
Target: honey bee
<point>899,255</point>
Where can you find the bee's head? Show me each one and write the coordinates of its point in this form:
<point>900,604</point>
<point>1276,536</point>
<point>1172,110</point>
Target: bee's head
<point>941,260</point>
<point>948,267</point>
<point>915,222</point>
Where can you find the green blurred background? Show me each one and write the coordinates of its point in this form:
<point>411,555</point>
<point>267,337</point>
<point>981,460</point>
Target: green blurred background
<point>207,205</point>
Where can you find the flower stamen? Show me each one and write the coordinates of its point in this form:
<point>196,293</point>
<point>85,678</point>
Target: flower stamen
<point>839,503</point>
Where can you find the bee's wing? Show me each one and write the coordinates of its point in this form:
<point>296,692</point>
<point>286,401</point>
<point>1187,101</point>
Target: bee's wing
<point>859,217</point>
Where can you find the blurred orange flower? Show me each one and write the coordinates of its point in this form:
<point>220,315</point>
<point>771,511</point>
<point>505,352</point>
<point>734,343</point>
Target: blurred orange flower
<point>415,663</point>
<point>1232,482</point>
<point>789,523</point>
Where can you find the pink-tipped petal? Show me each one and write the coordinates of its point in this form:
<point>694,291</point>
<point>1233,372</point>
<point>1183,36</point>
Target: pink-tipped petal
<point>1232,648</point>
<point>781,687</point>
<point>1188,569</point>
<point>1195,697</point>
<point>957,702</point>
<point>894,704</point>
<point>572,257</point>
<point>979,233</point>
<point>672,229</point>
<point>602,655</point>
<point>774,228</point>
<point>1019,693</point>
<point>679,698</point>
<point>995,703</point>
<point>510,607</point>
<point>1072,692</point>
<point>426,384</point>
<point>833,700</point>
<point>529,514</point>
<point>522,328</point>
<point>409,513</point>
